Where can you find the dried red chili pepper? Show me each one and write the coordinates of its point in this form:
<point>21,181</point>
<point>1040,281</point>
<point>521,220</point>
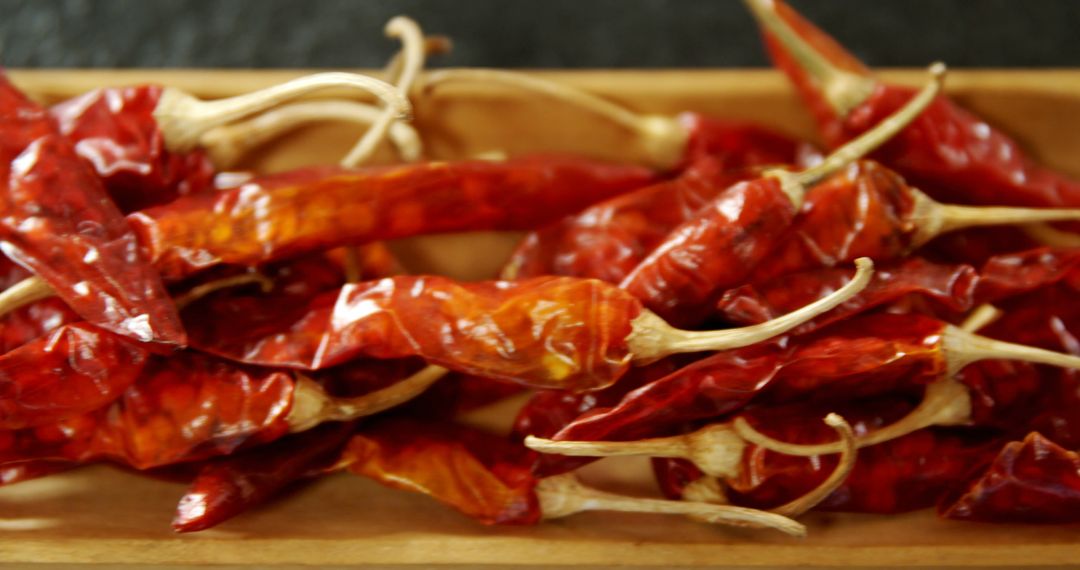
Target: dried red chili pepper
<point>1033,481</point>
<point>143,140</point>
<point>869,211</point>
<point>58,222</point>
<point>75,369</point>
<point>278,216</point>
<point>545,332</point>
<point>482,476</point>
<point>955,288</point>
<point>863,357</point>
<point>608,240</point>
<point>948,151</point>
<point>228,486</point>
<point>27,470</point>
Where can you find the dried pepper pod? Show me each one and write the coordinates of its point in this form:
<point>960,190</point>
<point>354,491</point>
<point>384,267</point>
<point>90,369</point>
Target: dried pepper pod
<point>608,240</point>
<point>954,288</point>
<point>551,332</point>
<point>146,141</point>
<point>949,152</point>
<point>662,142</point>
<point>868,210</point>
<point>482,476</point>
<point>721,244</point>
<point>1030,481</point>
<point>58,222</point>
<point>862,357</point>
<point>228,486</point>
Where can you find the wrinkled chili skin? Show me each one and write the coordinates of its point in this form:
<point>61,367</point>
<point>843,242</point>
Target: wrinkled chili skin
<point>714,250</point>
<point>865,210</point>
<point>951,287</point>
<point>31,321</point>
<point>228,486</point>
<point>114,131</point>
<point>182,408</point>
<point>947,151</point>
<point>1033,481</point>
<point>608,240</point>
<point>476,473</point>
<point>75,369</point>
<point>546,332</point>
<point>57,221</point>
<point>735,144</point>
<point>277,217</point>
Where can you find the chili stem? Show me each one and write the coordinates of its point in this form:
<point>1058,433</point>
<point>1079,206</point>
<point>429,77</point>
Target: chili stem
<point>835,479</point>
<point>565,495</point>
<point>934,218</point>
<point>663,138</point>
<point>652,338</point>
<point>204,289</point>
<point>228,144</point>
<point>1051,236</point>
<point>841,89</point>
<point>313,406</point>
<point>29,290</point>
<point>412,58</point>
<point>962,348</point>
<point>183,119</point>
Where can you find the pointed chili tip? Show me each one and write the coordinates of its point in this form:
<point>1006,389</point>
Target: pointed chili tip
<point>191,514</point>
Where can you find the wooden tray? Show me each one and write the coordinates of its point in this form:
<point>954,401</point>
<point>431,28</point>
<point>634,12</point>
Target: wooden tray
<point>108,517</point>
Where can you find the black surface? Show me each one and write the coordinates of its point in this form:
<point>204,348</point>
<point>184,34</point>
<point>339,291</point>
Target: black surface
<point>523,33</point>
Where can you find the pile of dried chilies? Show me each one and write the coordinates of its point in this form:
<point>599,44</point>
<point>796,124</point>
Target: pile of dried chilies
<point>780,328</point>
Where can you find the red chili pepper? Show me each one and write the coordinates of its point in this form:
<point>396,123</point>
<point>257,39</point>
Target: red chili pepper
<point>144,140</point>
<point>869,211</point>
<point>544,332</point>
<point>864,357</point>
<point>483,476</point>
<point>75,369</point>
<point>57,221</point>
<point>228,486</point>
<point>284,215</point>
<point>30,321</point>
<point>608,240</point>
<point>949,152</point>
<point>955,288</point>
<point>27,470</point>
<point>1033,481</point>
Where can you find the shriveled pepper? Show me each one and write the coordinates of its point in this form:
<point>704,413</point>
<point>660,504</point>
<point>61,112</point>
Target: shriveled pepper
<point>57,221</point>
<point>551,332</point>
<point>483,476</point>
<point>145,141</point>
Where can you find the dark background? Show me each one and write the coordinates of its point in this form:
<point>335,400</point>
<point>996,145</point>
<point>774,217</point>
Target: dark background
<point>523,33</point>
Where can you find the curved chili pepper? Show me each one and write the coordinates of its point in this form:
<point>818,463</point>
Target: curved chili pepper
<point>75,369</point>
<point>949,152</point>
<point>283,215</point>
<point>863,357</point>
<point>545,332</point>
<point>870,211</point>
<point>608,240</point>
<point>182,408</point>
<point>228,486</point>
<point>955,288</point>
<point>1030,481</point>
<point>482,476</point>
<point>57,221</point>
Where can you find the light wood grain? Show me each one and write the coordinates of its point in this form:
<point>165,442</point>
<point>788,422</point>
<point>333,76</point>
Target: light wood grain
<point>103,516</point>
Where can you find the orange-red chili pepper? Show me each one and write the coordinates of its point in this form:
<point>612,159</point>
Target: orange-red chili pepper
<point>284,215</point>
<point>57,221</point>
